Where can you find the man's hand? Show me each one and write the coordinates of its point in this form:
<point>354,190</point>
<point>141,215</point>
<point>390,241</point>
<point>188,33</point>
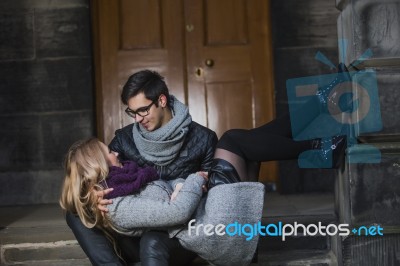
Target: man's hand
<point>101,201</point>
<point>205,176</point>
<point>176,191</point>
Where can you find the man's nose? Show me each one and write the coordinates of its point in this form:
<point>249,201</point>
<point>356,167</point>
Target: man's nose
<point>115,153</point>
<point>138,118</point>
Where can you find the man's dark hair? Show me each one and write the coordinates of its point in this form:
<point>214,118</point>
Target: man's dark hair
<point>147,81</point>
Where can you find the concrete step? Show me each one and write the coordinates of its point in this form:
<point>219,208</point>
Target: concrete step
<point>303,209</point>
<point>70,262</point>
<point>298,258</point>
<point>50,253</point>
<point>38,235</point>
<point>66,252</point>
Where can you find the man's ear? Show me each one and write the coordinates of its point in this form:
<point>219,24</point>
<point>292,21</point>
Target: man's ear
<point>163,100</point>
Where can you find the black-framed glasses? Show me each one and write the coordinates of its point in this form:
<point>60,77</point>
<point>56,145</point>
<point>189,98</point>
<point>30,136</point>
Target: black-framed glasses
<point>142,111</point>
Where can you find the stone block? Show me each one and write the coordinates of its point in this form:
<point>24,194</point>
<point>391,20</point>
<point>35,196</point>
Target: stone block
<point>369,24</point>
<point>40,4</point>
<point>304,23</point>
<point>35,142</point>
<point>300,180</point>
<point>380,105</point>
<point>16,35</point>
<point>387,80</point>
<point>366,193</point>
<point>62,32</point>
<point>58,252</point>
<point>19,142</point>
<point>48,85</point>
<point>371,251</point>
<point>297,63</point>
<point>389,93</point>
<point>30,187</point>
<point>372,196</point>
<point>59,131</point>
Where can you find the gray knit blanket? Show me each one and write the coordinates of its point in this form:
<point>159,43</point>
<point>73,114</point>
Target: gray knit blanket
<point>240,203</point>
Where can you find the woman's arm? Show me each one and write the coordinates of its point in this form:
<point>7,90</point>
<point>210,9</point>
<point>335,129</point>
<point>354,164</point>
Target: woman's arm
<point>135,211</point>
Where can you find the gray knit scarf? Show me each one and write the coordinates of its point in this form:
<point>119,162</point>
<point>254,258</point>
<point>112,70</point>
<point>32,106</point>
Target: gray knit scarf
<point>162,145</point>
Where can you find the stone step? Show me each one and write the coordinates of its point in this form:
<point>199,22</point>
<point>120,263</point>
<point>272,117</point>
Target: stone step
<point>301,209</point>
<point>69,262</point>
<point>298,258</point>
<point>69,251</point>
<point>38,235</point>
<point>65,252</point>
<point>295,243</point>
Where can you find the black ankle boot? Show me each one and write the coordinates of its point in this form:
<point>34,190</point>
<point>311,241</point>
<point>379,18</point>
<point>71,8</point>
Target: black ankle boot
<point>222,172</point>
<point>328,154</point>
<point>337,150</point>
<point>339,145</point>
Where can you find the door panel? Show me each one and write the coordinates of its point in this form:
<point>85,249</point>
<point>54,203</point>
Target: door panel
<point>220,100</point>
<point>228,27</point>
<point>141,24</point>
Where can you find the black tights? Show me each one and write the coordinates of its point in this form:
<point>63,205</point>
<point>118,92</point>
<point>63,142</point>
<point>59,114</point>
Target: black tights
<point>272,141</point>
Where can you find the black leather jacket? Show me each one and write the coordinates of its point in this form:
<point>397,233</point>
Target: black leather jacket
<point>196,153</point>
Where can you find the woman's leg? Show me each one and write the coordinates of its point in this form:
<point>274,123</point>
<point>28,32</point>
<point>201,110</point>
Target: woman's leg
<point>94,243</point>
<point>272,141</point>
<point>243,149</point>
<point>99,249</point>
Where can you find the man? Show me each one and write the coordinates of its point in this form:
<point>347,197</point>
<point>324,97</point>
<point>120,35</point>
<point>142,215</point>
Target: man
<point>165,137</point>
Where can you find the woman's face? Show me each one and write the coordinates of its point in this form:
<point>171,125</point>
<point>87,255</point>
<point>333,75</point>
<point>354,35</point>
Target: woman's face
<point>111,156</point>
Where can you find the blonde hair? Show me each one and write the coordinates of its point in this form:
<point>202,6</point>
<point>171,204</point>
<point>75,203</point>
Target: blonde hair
<point>85,167</point>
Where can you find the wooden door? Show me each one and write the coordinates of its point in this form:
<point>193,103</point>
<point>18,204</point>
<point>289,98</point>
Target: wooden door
<point>128,36</point>
<point>229,65</point>
<point>215,56</point>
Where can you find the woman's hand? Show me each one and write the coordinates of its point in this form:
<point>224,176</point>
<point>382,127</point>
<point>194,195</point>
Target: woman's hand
<point>178,186</point>
<point>101,201</point>
<point>176,191</point>
<point>205,176</point>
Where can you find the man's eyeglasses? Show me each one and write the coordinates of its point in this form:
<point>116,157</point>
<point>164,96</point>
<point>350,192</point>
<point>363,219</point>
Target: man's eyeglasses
<point>142,111</point>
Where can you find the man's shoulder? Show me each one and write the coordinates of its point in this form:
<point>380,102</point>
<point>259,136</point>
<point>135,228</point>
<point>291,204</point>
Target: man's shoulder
<point>125,129</point>
<point>197,128</point>
<point>123,134</point>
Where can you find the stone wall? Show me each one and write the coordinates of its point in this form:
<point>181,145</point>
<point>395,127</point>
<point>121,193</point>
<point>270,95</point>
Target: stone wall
<point>46,95</point>
<point>301,28</point>
<point>368,193</point>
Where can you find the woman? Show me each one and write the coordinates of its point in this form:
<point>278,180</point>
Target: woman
<point>238,151</point>
<point>91,166</point>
